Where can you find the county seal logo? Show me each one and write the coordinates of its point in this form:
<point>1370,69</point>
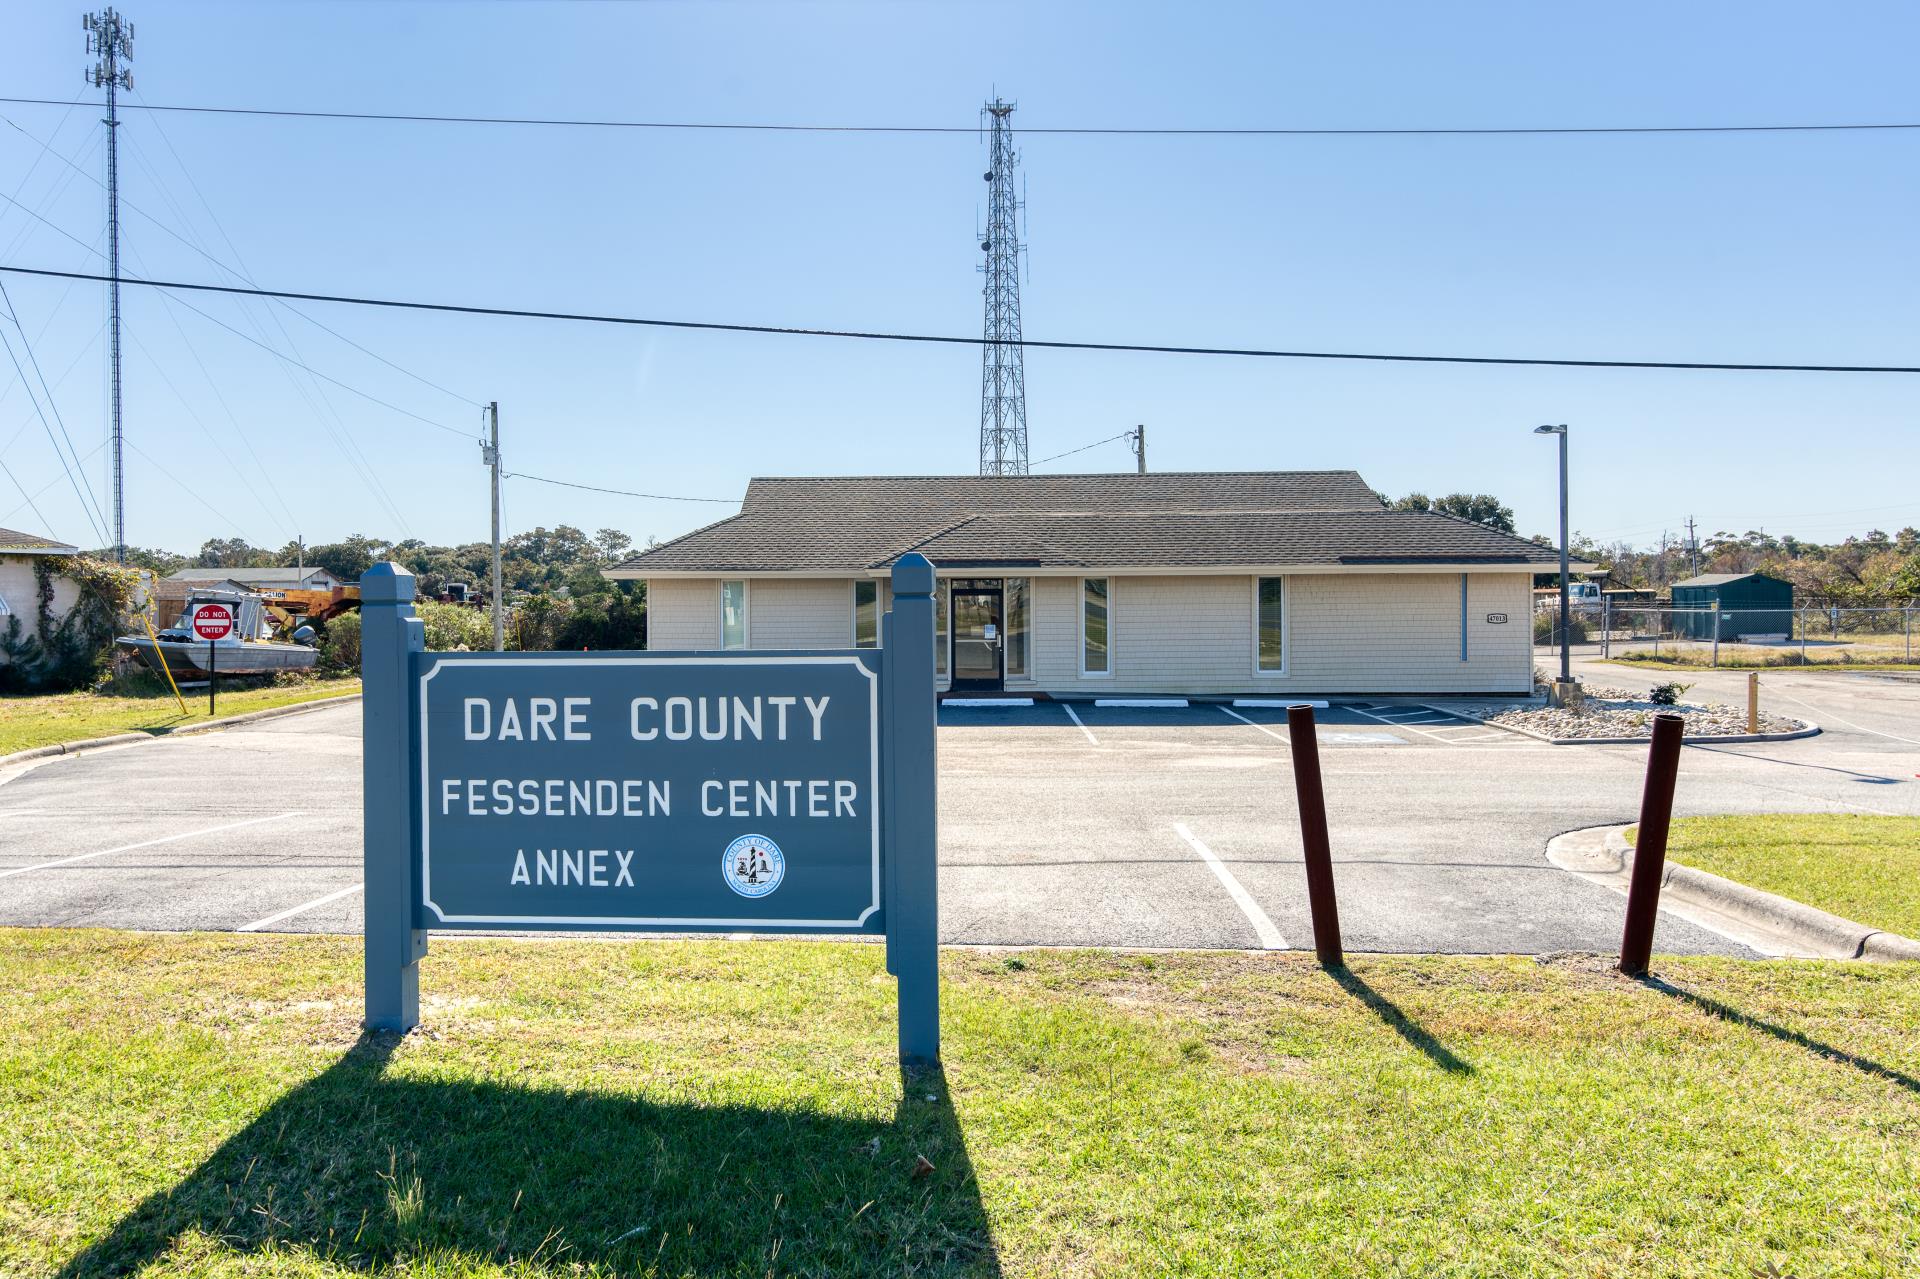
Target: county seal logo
<point>753,866</point>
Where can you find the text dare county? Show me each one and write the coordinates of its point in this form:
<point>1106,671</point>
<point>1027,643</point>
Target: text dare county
<point>648,719</point>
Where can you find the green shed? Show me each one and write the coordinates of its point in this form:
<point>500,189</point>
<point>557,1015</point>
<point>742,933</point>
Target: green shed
<point>1749,604</point>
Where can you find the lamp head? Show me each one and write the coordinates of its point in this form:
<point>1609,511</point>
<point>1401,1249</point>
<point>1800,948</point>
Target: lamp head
<point>1551,430</point>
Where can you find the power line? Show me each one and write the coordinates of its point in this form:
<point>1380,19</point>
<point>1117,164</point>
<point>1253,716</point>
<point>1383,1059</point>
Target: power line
<point>236,272</point>
<point>594,488</point>
<point>85,492</point>
<point>948,340</point>
<point>72,479</point>
<point>1083,448</point>
<point>1083,131</point>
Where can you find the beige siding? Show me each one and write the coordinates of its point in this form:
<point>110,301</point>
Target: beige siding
<point>683,613</point>
<point>802,613</point>
<point>21,590</point>
<point>1346,633</point>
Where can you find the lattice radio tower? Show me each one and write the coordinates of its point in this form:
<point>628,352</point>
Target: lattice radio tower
<point>110,39</point>
<point>1003,378</point>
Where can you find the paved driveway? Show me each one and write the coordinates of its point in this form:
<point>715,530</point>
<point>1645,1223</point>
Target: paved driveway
<point>1103,826</point>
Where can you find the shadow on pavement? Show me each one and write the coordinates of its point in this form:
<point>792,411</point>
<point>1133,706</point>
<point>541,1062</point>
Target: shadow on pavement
<point>363,1169</point>
<point>1726,1012</point>
<point>1873,778</point>
<point>1402,1025</point>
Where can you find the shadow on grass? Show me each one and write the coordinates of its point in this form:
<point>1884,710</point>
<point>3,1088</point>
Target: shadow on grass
<point>362,1170</point>
<point>1727,1012</point>
<point>1402,1025</point>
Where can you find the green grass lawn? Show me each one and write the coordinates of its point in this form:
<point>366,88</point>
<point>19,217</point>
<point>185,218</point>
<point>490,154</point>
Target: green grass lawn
<point>206,1106</point>
<point>42,719</point>
<point>1864,868</point>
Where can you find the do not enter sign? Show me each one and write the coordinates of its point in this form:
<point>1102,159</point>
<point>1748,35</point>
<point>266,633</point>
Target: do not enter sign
<point>212,621</point>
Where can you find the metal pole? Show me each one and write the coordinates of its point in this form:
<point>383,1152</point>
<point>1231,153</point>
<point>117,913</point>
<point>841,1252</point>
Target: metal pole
<point>1313,836</point>
<point>1714,618</point>
<point>1650,851</point>
<point>390,635</point>
<point>1606,626</point>
<point>493,460</point>
<point>1906,630</point>
<point>213,673</point>
<point>1566,637</point>
<point>912,835</point>
<point>1803,635</point>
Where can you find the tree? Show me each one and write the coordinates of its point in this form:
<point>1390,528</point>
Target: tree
<point>1481,508</point>
<point>231,552</point>
<point>349,558</point>
<point>612,544</point>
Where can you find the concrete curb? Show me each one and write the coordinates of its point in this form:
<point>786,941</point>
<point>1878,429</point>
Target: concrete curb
<point>1809,730</point>
<point>128,739</point>
<point>1807,929</point>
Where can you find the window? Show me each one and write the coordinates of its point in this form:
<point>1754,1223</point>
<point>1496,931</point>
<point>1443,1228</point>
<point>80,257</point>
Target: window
<point>1270,607</point>
<point>733,615</point>
<point>1093,627</point>
<point>866,613</point>
<point>942,601</point>
<point>1016,593</point>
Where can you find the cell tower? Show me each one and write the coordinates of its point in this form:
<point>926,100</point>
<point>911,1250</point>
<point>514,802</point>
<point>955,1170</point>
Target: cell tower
<point>110,39</point>
<point>1003,377</point>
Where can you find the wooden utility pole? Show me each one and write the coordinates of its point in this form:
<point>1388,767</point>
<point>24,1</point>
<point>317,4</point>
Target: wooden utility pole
<point>491,452</point>
<point>1140,448</point>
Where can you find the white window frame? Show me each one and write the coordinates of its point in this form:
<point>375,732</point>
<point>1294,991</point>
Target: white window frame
<point>1080,605</point>
<point>853,601</point>
<point>1006,621</point>
<point>746,612</point>
<point>1286,625</point>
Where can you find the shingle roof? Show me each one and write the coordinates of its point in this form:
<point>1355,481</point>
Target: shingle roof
<point>1196,520</point>
<point>33,544</point>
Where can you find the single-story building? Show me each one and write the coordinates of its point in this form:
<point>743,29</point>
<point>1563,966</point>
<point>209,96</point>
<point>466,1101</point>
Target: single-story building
<point>20,586</point>
<point>1278,583</point>
<point>310,578</point>
<point>1748,603</point>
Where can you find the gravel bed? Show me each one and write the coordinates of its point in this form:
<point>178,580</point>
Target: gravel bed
<point>1615,712</point>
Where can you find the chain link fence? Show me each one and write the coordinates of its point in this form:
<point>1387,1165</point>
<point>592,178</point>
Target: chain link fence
<point>1712,637</point>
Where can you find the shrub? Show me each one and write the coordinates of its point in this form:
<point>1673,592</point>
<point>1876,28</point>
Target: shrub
<point>456,627</point>
<point>340,643</point>
<point>1546,628</point>
<point>1667,694</point>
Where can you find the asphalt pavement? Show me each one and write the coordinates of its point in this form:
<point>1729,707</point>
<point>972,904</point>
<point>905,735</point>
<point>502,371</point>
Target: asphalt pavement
<point>1097,826</point>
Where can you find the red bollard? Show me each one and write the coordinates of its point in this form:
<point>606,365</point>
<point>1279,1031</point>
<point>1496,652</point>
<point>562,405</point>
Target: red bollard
<point>1650,848</point>
<point>1313,836</point>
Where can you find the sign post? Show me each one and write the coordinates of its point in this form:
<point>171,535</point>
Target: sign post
<point>740,791</point>
<point>212,621</point>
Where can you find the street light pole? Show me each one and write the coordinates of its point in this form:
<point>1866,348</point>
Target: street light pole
<point>1566,653</point>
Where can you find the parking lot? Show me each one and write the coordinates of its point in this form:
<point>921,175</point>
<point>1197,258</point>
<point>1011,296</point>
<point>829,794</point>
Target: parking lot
<point>1138,826</point>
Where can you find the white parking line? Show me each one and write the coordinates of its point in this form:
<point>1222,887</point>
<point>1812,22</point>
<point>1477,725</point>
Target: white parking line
<point>1270,938</point>
<point>1244,720</point>
<point>1078,722</point>
<point>1162,703</point>
<point>1409,727</point>
<point>258,924</point>
<point>1832,718</point>
<point>147,843</point>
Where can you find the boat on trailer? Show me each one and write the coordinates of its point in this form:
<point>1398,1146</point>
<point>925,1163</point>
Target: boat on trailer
<point>248,649</point>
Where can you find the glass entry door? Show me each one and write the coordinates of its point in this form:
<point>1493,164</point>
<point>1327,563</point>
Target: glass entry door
<point>979,639</point>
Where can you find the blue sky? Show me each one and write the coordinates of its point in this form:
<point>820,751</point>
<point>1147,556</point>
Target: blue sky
<point>1718,247</point>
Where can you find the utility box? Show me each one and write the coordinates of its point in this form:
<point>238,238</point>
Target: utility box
<point>1749,603</point>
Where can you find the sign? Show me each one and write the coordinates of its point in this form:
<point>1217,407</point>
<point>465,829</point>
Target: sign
<point>1496,619</point>
<point>726,791</point>
<point>681,792</point>
<point>212,621</point>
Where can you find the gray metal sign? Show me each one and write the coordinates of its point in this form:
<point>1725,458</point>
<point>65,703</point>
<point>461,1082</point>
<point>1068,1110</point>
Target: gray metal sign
<point>724,791</point>
<point>744,790</point>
